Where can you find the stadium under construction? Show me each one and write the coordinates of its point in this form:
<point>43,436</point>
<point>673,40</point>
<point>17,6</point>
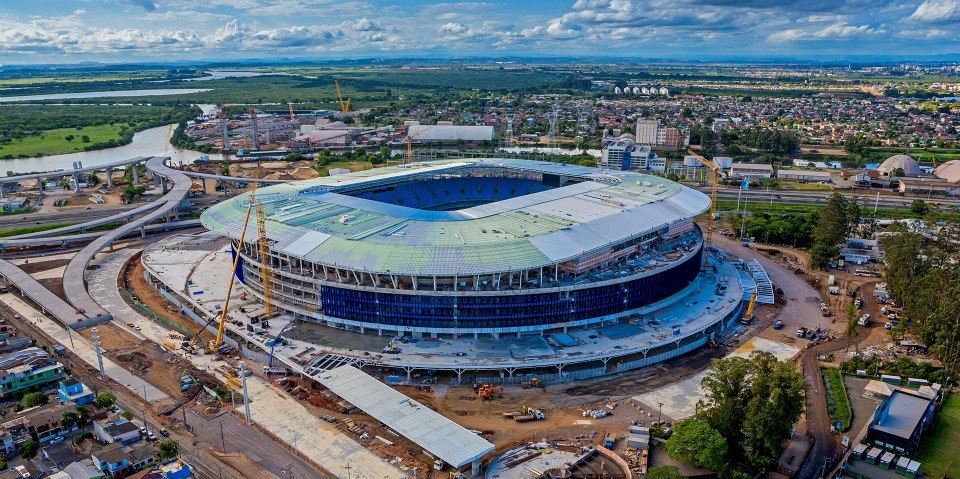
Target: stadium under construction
<point>499,268</point>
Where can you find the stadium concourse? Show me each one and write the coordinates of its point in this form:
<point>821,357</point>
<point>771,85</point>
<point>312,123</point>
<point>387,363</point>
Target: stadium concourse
<point>497,270</point>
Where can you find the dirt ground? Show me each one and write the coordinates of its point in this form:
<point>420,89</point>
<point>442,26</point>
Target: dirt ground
<point>38,266</point>
<point>133,279</point>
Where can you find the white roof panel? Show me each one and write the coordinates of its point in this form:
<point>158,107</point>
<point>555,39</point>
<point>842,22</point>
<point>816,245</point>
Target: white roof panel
<point>305,244</point>
<point>451,132</point>
<point>440,436</point>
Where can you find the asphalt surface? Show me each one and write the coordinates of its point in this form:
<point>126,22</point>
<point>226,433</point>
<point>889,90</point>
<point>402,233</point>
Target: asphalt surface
<point>802,309</point>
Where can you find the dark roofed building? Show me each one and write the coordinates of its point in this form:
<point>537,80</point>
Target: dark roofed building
<point>899,422</point>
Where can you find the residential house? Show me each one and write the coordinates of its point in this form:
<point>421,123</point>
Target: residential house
<point>74,391</point>
<point>83,469</point>
<point>6,439</point>
<point>26,369</point>
<point>142,455</point>
<point>112,460</point>
<point>118,430</point>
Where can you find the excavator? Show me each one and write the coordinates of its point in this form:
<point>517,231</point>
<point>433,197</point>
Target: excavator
<point>717,171</point>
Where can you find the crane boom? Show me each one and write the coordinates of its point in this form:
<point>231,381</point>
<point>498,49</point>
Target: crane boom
<point>344,106</point>
<point>713,203</point>
<point>410,144</point>
<point>233,274</point>
<point>290,104</point>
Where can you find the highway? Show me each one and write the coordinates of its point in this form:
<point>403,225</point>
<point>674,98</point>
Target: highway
<point>867,198</point>
<point>60,174</point>
<point>61,217</point>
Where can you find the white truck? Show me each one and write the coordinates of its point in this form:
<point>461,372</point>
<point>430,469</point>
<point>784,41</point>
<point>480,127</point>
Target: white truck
<point>864,320</point>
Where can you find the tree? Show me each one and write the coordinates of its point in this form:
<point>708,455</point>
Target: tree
<point>70,419</point>
<point>64,183</point>
<point>857,145</point>
<point>105,399</point>
<point>168,449</point>
<point>30,400</point>
<point>918,207</point>
<point>853,329</point>
<point>830,231</point>
<point>898,172</point>
<point>29,449</point>
<point>752,403</point>
<point>127,415</point>
<point>665,472</point>
<point>695,442</point>
<point>132,193</point>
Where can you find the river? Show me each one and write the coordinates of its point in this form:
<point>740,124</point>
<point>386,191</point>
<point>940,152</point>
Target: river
<point>104,94</point>
<point>151,142</point>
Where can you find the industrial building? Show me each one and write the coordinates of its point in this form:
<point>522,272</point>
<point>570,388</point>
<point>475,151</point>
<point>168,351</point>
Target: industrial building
<point>804,175</point>
<point>928,187</point>
<point>442,133</point>
<point>472,246</point>
<point>901,419</point>
<point>751,170</point>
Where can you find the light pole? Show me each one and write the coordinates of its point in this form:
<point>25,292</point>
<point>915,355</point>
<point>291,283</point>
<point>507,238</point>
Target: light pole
<point>660,412</point>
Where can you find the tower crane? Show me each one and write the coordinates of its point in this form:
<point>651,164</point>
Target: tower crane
<point>410,138</point>
<point>265,269</point>
<point>292,117</point>
<point>344,106</point>
<point>934,158</point>
<point>713,203</point>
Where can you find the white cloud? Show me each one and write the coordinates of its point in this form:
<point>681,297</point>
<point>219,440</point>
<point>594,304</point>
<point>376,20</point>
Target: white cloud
<point>79,12</point>
<point>840,30</point>
<point>936,11</point>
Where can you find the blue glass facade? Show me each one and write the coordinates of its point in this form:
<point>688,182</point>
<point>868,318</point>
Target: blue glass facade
<point>471,310</point>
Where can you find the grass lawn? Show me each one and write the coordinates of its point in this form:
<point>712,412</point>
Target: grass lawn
<point>940,446</point>
<point>54,142</point>
<point>30,229</point>
<point>350,165</point>
<point>841,403</point>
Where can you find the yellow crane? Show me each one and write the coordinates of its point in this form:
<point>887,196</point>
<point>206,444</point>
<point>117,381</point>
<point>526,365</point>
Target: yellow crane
<point>934,158</point>
<point>215,345</point>
<point>344,106</point>
<point>713,203</point>
<point>290,104</point>
<point>265,268</point>
<point>753,302</point>
<point>410,143</point>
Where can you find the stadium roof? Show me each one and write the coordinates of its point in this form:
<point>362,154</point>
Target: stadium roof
<point>440,436</point>
<point>450,133</point>
<point>320,221</point>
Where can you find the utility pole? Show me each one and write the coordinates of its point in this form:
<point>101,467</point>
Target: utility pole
<point>660,412</point>
<point>96,344</point>
<point>223,442</point>
<point>246,397</point>
<point>348,467</point>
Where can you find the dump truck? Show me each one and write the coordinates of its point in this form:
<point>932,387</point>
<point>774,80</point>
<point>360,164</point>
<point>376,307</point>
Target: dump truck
<point>529,414</point>
<point>532,383</point>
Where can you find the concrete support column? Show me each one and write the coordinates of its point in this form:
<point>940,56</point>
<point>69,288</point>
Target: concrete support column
<point>475,468</point>
<point>203,185</point>
<point>136,174</point>
<point>1,191</point>
<point>109,177</point>
<point>143,232</point>
<point>40,185</point>
<point>163,184</point>
<point>76,182</point>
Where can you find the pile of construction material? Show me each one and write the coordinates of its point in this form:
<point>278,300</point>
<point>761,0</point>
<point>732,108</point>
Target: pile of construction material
<point>639,438</point>
<point>596,413</point>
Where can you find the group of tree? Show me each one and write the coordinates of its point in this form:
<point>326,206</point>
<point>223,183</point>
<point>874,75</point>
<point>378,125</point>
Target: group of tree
<point>837,218</point>
<point>181,139</point>
<point>794,229</point>
<point>923,276</point>
<point>749,410</point>
<point>769,140</point>
<point>132,193</point>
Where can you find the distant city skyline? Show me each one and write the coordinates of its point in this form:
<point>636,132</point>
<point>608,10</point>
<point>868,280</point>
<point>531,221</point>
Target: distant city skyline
<point>62,31</point>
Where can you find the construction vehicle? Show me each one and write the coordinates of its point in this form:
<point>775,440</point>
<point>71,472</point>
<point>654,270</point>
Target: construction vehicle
<point>528,414</point>
<point>778,324</point>
<point>488,392</point>
<point>717,171</point>
<point>748,315</point>
<point>532,383</point>
<point>215,345</point>
<point>344,106</point>
<point>410,138</point>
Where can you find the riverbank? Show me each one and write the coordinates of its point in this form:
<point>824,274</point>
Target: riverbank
<point>67,140</point>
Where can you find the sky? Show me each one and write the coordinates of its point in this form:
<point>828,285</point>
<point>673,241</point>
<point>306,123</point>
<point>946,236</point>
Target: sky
<point>61,31</point>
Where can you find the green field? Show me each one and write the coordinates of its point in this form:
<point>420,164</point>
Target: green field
<point>54,142</point>
<point>31,229</point>
<point>940,446</point>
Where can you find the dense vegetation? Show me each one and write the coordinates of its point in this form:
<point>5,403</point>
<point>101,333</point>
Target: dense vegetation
<point>771,144</point>
<point>748,412</point>
<point>29,130</point>
<point>923,276</point>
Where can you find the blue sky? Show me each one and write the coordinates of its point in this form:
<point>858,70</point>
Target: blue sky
<point>151,30</point>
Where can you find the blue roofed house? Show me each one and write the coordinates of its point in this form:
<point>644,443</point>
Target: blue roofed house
<point>74,391</point>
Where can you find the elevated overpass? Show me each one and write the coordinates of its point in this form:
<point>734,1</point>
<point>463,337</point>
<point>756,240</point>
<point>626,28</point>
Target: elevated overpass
<point>5,180</point>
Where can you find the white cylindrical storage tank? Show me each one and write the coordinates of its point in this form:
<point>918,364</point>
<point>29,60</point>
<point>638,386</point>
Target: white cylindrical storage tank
<point>636,90</point>
<point>664,91</point>
<point>645,90</point>
<point>617,91</point>
<point>690,161</point>
<point>723,161</point>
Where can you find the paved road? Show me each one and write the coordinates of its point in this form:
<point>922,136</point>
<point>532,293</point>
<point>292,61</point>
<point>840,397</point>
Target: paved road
<point>802,309</point>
